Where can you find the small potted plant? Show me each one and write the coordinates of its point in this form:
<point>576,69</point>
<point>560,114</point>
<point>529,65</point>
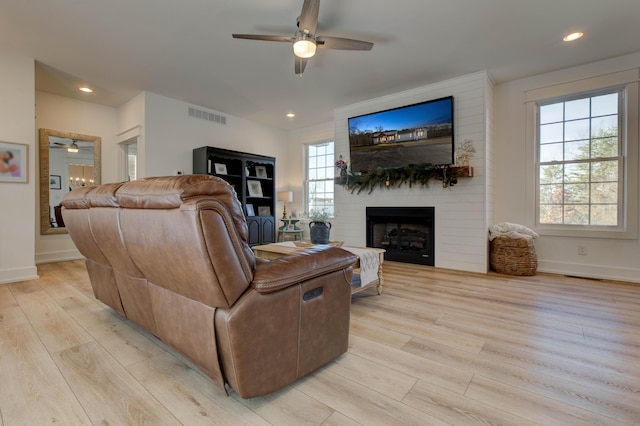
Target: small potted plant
<point>319,226</point>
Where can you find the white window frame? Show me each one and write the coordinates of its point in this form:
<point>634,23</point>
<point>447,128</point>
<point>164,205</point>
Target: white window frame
<point>330,176</point>
<point>628,131</point>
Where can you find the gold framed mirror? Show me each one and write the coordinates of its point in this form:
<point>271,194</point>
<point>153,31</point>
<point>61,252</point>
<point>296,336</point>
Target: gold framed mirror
<point>67,160</point>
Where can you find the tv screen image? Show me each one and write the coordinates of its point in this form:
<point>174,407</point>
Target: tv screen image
<point>413,134</point>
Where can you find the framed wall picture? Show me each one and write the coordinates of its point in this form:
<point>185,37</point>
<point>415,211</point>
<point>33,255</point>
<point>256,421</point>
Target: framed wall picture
<point>14,162</point>
<point>250,211</point>
<point>264,211</point>
<point>261,172</point>
<point>220,168</point>
<point>55,182</point>
<point>255,188</point>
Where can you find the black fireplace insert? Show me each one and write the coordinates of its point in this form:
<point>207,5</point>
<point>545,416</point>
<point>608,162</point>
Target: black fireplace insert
<point>406,233</point>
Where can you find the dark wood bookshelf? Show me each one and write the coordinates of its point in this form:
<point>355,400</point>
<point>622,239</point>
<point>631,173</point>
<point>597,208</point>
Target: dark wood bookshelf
<point>243,170</point>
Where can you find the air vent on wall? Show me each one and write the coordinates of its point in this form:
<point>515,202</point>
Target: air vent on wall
<point>206,115</point>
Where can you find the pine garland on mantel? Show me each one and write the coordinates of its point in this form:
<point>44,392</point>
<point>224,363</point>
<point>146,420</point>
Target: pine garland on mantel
<point>409,175</point>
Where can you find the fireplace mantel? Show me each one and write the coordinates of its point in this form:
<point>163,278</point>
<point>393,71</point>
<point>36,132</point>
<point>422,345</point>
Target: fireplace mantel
<point>412,175</point>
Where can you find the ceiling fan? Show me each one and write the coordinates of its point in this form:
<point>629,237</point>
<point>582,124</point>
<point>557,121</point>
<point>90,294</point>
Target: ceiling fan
<point>305,41</point>
<point>71,147</point>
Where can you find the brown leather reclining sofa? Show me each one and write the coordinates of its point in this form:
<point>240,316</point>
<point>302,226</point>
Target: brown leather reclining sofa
<point>171,254</point>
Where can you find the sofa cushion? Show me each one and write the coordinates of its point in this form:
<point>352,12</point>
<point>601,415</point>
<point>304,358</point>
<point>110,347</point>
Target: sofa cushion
<point>169,192</point>
<point>77,199</point>
<point>103,195</point>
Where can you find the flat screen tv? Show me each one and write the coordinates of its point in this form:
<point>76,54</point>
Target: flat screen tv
<point>412,134</point>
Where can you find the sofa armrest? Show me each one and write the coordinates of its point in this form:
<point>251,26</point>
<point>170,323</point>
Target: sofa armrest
<point>300,266</point>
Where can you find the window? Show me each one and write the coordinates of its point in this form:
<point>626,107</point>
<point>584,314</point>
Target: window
<point>582,156</point>
<point>580,163</point>
<point>319,179</point>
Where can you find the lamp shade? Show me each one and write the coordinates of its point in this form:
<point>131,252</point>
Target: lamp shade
<point>285,196</point>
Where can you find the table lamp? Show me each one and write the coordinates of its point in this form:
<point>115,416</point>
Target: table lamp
<point>285,197</point>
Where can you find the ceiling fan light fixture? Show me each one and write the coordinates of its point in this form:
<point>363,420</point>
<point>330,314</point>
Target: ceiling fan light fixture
<point>73,148</point>
<point>304,46</point>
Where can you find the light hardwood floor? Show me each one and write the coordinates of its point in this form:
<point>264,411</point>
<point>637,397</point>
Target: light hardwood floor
<point>437,348</point>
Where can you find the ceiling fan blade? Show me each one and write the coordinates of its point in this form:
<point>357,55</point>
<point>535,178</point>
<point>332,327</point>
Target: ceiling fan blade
<point>263,37</point>
<point>309,17</point>
<point>300,64</point>
<point>342,43</point>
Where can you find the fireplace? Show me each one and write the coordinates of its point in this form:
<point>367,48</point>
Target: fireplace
<point>406,233</point>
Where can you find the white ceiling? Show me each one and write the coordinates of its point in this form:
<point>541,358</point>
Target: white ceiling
<point>184,50</point>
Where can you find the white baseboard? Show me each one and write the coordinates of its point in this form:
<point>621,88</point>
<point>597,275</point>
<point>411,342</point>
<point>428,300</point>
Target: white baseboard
<point>18,274</point>
<point>590,271</point>
<point>57,256</point>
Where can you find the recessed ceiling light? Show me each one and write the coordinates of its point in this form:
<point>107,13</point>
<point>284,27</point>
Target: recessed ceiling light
<point>573,36</point>
<point>291,115</point>
<point>85,89</point>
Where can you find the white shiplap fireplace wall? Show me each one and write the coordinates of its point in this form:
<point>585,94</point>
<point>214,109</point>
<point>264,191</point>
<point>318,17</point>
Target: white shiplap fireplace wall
<point>463,212</point>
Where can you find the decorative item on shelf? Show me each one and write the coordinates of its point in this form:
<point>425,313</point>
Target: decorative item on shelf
<point>261,172</point>
<point>250,165</point>
<point>319,226</point>
<point>250,211</point>
<point>255,188</point>
<point>342,166</point>
<point>464,152</point>
<point>220,168</point>
<point>264,211</point>
<point>285,197</point>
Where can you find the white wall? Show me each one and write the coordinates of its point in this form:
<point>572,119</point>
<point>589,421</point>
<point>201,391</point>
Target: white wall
<point>171,135</point>
<point>71,115</point>
<point>607,258</point>
<point>131,120</point>
<point>17,200</point>
<point>461,212</point>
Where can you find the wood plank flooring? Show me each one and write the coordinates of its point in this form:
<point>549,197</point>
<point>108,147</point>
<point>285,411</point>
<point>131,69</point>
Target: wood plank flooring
<point>437,348</point>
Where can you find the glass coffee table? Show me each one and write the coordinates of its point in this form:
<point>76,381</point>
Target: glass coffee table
<point>367,269</point>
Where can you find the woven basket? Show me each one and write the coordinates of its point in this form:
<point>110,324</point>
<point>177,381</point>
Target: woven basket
<point>513,256</point>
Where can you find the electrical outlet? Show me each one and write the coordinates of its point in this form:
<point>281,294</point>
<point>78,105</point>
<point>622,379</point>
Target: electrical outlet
<point>582,250</point>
